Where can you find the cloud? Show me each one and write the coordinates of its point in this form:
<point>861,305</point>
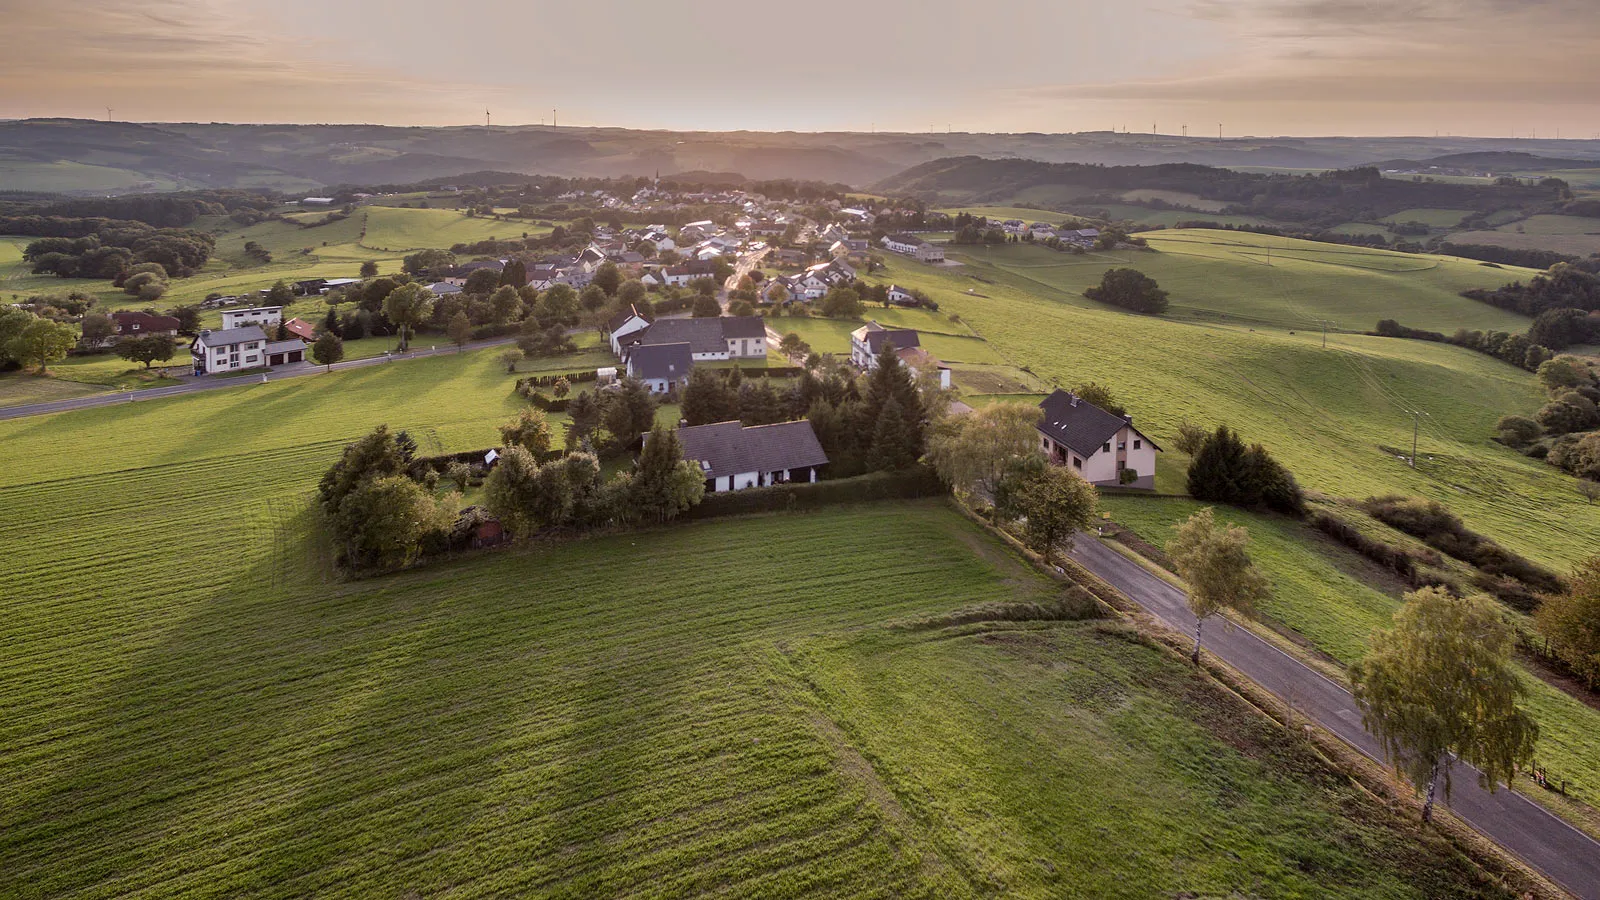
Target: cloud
<point>193,60</point>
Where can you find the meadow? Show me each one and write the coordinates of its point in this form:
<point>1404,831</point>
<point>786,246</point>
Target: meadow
<point>1325,594</point>
<point>1341,418</point>
<point>1564,234</point>
<point>199,706</point>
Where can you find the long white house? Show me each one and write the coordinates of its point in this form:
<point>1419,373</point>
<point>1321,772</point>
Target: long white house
<point>734,457</point>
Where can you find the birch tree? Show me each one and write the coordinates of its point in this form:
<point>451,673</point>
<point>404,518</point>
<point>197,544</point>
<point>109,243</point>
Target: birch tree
<point>1214,562</point>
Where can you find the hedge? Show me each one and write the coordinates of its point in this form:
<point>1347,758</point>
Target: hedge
<point>491,330</point>
<point>765,372</point>
<point>918,481</point>
<point>539,381</point>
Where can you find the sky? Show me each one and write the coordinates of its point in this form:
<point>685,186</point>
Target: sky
<point>1494,68</point>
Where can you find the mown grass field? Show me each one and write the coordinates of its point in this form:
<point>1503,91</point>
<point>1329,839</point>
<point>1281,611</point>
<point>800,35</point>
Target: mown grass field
<point>1563,234</point>
<point>1324,593</point>
<point>197,706</point>
<point>1433,218</point>
<point>1339,418</point>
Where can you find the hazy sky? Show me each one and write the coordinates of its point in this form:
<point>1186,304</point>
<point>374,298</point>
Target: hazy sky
<point>1486,67</point>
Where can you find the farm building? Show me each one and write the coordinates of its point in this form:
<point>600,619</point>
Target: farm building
<point>131,323</point>
<point>734,457</point>
<point>625,322</point>
<point>1097,444</point>
<point>913,246</point>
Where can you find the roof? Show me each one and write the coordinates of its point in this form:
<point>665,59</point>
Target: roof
<point>708,334</point>
<point>1079,424</point>
<point>134,320</point>
<point>622,317</point>
<point>670,362</point>
<point>440,288</point>
<point>727,448</point>
<point>301,328</point>
<point>904,239</point>
<point>874,336</point>
<point>288,346</point>
<point>229,336</point>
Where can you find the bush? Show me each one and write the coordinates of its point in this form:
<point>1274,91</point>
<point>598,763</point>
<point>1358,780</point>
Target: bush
<point>1517,431</point>
<point>1435,525</point>
<point>1226,471</point>
<point>917,481</point>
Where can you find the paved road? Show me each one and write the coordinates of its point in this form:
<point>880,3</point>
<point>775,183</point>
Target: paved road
<point>1541,839</point>
<point>193,383</point>
<point>746,263</point>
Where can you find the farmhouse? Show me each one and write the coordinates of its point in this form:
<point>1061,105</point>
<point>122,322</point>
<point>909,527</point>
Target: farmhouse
<point>709,338</point>
<point>867,342</point>
<point>913,246</point>
<point>131,323</point>
<point>663,367</point>
<point>734,457</point>
<point>265,316</point>
<point>1098,445</point>
<point>624,323</point>
<point>901,296</point>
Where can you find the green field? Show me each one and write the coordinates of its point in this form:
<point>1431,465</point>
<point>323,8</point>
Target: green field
<point>199,706</point>
<point>1323,592</point>
<point>1337,417</point>
<point>1564,234</point>
<point>946,340</point>
<point>1433,218</point>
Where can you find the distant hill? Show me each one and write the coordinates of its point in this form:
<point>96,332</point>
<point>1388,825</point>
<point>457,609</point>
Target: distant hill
<point>81,156</point>
<point>1321,200</point>
<point>1495,162</point>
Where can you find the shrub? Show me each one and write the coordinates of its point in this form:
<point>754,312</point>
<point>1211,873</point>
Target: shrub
<point>1435,525</point>
<point>1517,431</point>
<point>1191,438</point>
<point>1130,289</point>
<point>917,481</point>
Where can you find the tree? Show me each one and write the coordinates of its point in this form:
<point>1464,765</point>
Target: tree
<point>583,414</point>
<point>188,318</point>
<point>1219,470</point>
<point>664,483</point>
<point>608,278</point>
<point>1053,502</point>
<point>841,302</point>
<point>632,293</point>
<point>42,342</point>
<point>408,306</point>
<point>561,388</point>
<point>705,307</point>
<point>891,379</point>
<point>514,275</point>
<point>384,521</point>
<point>369,269</point>
<point>1589,490</point>
<point>741,307</point>
<point>628,412</point>
<point>592,298</point>
<point>424,262</point>
<point>1100,395</point>
<point>559,304</point>
<point>708,398</point>
<point>481,282</point>
<point>1129,289</point>
<point>1562,373</point>
<point>512,489</point>
<point>1571,619</point>
<point>143,284</point>
<point>328,349</point>
<point>1517,431</point>
<point>509,358</point>
<point>1191,438</point>
<point>374,455</point>
<point>97,329</point>
<point>1214,562</point>
<point>505,304</point>
<point>460,329</point>
<point>147,348</point>
<point>1441,682</point>
<point>529,430</point>
<point>280,294</point>
<point>793,344</point>
<point>971,452</point>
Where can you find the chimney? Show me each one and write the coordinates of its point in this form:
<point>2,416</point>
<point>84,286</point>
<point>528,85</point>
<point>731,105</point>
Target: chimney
<point>1073,400</point>
<point>1127,418</point>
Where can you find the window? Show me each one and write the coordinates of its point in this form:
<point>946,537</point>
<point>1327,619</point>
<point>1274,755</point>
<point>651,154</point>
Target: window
<point>1107,447</point>
<point>1137,444</point>
<point>1077,463</point>
<point>251,359</point>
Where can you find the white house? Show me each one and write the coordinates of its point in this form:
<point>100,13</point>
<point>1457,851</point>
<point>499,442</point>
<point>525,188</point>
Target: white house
<point>624,323</point>
<point>901,296</point>
<point>913,246</point>
<point>733,457</point>
<point>229,350</point>
<point>709,338</point>
<point>265,316</point>
<point>1099,446</point>
<point>867,342</point>
<point>662,367</point>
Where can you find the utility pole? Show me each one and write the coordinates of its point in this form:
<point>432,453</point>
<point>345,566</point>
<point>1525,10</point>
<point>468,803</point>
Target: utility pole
<point>486,117</point>
<point>1324,334</point>
<point>1416,425</point>
<point>553,122</point>
<point>108,114</point>
<point>1186,132</point>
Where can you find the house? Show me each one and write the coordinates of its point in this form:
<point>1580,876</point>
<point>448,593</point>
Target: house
<point>624,323</point>
<point>710,338</point>
<point>229,350</point>
<point>1082,237</point>
<point>850,247</point>
<point>663,367</point>
<point>901,296</point>
<point>919,361</point>
<point>1098,445</point>
<point>913,246</point>
<point>867,342</point>
<point>138,324</point>
<point>734,457</point>
<point>301,329</point>
<point>1014,226</point>
<point>265,316</point>
<point>441,288</point>
<point>696,231</point>
<point>317,201</point>
<point>833,233</point>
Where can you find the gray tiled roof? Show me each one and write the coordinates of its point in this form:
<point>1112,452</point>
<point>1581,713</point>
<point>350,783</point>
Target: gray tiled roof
<point>743,327</point>
<point>1084,427</point>
<point>668,361</point>
<point>903,339</point>
<point>730,449</point>
<point>229,336</point>
<point>705,335</point>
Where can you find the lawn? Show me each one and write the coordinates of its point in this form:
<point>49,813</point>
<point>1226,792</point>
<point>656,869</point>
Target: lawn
<point>1337,417</point>
<point>196,705</point>
<point>950,343</point>
<point>1320,592</point>
<point>1564,234</point>
<point>1433,218</point>
<point>392,229</point>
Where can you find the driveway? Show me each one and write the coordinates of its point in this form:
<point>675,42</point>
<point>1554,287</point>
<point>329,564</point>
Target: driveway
<point>1541,839</point>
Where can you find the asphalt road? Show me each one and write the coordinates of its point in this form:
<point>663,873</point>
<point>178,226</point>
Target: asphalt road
<point>194,383</point>
<point>1561,852</point>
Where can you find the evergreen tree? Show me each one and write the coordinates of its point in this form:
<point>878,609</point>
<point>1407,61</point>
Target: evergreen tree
<point>709,398</point>
<point>664,483</point>
<point>584,414</point>
<point>891,380</point>
<point>628,413</point>
<point>515,274</point>
<point>759,403</point>
<point>330,323</point>
<point>893,446</point>
<point>1219,471</point>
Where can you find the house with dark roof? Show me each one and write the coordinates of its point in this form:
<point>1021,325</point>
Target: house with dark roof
<point>232,349</point>
<point>663,367</point>
<point>1098,445</point>
<point>132,323</point>
<point>710,338</point>
<point>733,457</point>
<point>624,323</point>
<point>867,342</point>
